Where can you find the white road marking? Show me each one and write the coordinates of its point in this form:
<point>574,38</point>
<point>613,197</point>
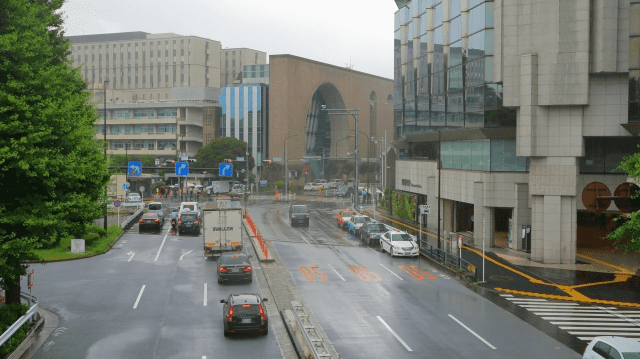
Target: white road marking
<point>571,313</point>
<point>540,305</point>
<point>130,254</point>
<point>394,334</point>
<point>564,310</point>
<point>184,254</point>
<point>472,332</point>
<point>609,319</point>
<point>599,334</point>
<point>625,317</point>
<point>391,271</point>
<point>373,250</point>
<point>162,245</point>
<point>616,324</point>
<point>301,237</point>
<point>588,339</point>
<point>139,296</point>
<point>506,295</point>
<point>601,328</point>
<point>341,277</point>
<point>205,294</point>
<point>523,300</point>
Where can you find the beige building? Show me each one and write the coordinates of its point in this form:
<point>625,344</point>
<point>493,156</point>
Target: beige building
<point>232,62</point>
<point>300,87</point>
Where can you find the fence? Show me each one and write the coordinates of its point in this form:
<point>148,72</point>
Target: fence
<point>31,313</point>
<point>449,259</point>
<point>261,242</point>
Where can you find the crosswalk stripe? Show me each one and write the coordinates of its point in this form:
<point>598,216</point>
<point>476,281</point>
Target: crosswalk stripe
<point>595,323</point>
<point>586,319</point>
<point>597,334</point>
<point>565,310</point>
<point>600,328</point>
<point>588,339</point>
<point>526,300</point>
<point>565,305</point>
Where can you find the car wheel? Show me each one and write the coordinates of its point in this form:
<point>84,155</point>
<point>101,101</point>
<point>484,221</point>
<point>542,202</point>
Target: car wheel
<point>307,224</point>
<point>226,333</point>
<point>266,331</point>
<point>381,248</point>
<point>219,280</point>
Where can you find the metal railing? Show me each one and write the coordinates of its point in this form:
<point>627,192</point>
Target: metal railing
<point>127,223</point>
<point>314,339</point>
<point>449,259</point>
<point>31,313</point>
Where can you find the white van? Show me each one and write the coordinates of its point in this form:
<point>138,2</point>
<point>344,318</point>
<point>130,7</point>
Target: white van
<point>190,206</point>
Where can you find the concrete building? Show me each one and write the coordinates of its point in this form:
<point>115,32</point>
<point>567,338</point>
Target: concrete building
<point>526,104</point>
<point>232,62</point>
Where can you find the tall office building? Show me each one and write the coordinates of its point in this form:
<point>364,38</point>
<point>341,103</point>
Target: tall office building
<point>232,62</point>
<point>528,106</point>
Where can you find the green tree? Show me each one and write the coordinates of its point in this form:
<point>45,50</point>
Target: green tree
<point>52,168</point>
<point>214,153</point>
<point>627,235</point>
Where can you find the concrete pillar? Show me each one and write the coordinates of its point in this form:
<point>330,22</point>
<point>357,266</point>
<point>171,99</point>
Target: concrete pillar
<point>483,221</point>
<point>521,214</point>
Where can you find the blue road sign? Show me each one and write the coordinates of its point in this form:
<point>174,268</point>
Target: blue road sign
<point>263,183</point>
<point>182,169</point>
<point>134,168</point>
<point>125,185</point>
<point>226,170</point>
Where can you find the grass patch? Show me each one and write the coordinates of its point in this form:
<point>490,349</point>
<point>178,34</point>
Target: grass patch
<point>63,250</point>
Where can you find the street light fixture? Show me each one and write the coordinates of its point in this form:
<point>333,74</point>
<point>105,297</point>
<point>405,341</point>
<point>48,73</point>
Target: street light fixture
<point>105,147</point>
<point>286,166</point>
<point>355,112</point>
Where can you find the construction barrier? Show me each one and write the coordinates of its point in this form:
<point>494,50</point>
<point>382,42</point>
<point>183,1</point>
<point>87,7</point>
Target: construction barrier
<point>256,233</point>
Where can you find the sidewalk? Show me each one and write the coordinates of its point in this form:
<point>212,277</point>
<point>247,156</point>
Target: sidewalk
<point>598,277</point>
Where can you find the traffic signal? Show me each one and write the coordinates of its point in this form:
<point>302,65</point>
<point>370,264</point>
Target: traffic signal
<point>228,160</point>
<point>268,162</point>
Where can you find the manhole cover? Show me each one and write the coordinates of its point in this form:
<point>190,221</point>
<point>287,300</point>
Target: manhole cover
<point>500,277</point>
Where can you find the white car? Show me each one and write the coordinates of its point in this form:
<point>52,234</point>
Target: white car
<point>134,197</point>
<point>357,221</point>
<point>606,347</point>
<point>398,243</point>
<point>322,183</point>
<point>311,187</point>
<point>336,183</point>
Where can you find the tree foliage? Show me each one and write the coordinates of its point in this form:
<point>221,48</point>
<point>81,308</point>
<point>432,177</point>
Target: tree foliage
<point>627,235</point>
<point>52,169</point>
<point>214,153</point>
<point>122,160</point>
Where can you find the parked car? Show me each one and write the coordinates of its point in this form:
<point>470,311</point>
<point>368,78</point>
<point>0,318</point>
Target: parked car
<point>342,192</point>
<point>311,187</point>
<point>234,266</point>
<point>236,193</point>
<point>611,347</point>
<point>156,207</point>
<point>343,217</point>
<point>370,233</point>
<point>244,313</point>
<point>298,213</point>
<point>188,221</point>
<point>150,221</point>
<point>134,197</point>
<point>336,183</point>
<point>398,243</point>
<point>357,221</point>
<point>322,183</point>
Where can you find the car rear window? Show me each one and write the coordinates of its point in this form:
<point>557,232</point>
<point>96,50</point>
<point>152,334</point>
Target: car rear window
<point>155,206</point>
<point>188,217</point>
<point>300,209</point>
<point>234,260</point>
<point>245,309</point>
<point>376,227</point>
<point>188,206</point>
<point>362,219</point>
<point>400,237</point>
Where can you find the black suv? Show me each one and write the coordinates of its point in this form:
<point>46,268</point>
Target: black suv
<point>370,232</point>
<point>234,266</point>
<point>244,313</point>
<point>188,222</point>
<point>298,213</point>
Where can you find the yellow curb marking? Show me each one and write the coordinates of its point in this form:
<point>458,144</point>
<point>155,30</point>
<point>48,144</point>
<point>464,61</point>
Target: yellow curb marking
<point>570,290</point>
<point>623,270</point>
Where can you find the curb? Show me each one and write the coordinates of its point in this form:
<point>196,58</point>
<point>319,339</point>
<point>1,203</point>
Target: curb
<point>28,340</point>
<point>83,257</point>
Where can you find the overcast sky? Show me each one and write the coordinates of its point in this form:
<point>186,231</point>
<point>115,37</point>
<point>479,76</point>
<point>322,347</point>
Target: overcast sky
<point>336,32</point>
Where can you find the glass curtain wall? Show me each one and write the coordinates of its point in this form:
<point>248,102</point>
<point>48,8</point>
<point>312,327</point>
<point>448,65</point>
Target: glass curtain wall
<point>634,63</point>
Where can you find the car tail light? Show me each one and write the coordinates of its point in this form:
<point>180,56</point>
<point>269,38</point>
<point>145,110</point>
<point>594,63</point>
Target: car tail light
<point>197,221</point>
<point>142,221</point>
<point>246,306</point>
<point>156,221</point>
<point>223,270</point>
<point>180,222</point>
<point>262,314</point>
<point>247,268</point>
<point>230,314</point>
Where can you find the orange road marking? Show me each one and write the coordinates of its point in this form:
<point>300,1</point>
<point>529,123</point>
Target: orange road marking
<point>321,274</point>
<point>561,297</point>
<point>307,274</point>
<point>623,270</point>
<point>363,273</point>
<point>416,273</point>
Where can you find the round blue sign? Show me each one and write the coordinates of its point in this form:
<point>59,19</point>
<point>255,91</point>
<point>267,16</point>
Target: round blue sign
<point>117,203</point>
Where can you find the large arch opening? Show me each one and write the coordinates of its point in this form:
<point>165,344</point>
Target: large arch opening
<point>323,132</point>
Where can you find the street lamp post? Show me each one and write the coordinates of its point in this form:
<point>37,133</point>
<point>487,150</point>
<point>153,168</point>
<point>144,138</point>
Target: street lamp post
<point>105,148</point>
<point>346,138</point>
<point>286,166</point>
<point>368,160</point>
<point>355,112</point>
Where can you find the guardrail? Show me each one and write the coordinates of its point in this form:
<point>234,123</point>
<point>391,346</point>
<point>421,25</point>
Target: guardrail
<point>128,223</point>
<point>31,313</point>
<point>450,259</point>
<point>316,344</point>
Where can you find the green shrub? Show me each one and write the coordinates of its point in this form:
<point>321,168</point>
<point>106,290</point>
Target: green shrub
<point>99,230</point>
<point>8,315</point>
<point>277,184</point>
<point>90,238</point>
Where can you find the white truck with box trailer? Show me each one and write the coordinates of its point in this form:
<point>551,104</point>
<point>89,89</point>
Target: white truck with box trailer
<point>222,227</point>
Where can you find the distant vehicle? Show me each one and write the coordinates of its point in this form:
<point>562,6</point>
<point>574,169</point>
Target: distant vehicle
<point>343,217</point>
<point>134,197</point>
<point>222,227</point>
<point>234,266</point>
<point>398,243</point>
<point>336,183</point>
<point>311,187</point>
<point>156,207</point>
<point>298,213</point>
<point>371,232</point>
<point>218,187</point>
<point>189,221</point>
<point>324,184</point>
<point>244,313</point>
<point>190,206</point>
<point>236,193</point>
<point>612,347</point>
<point>343,192</point>
<point>150,221</point>
<point>355,222</point>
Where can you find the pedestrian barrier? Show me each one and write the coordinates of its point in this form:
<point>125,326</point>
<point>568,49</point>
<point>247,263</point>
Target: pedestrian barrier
<point>450,260</point>
<point>31,313</point>
<point>127,223</point>
<point>256,233</point>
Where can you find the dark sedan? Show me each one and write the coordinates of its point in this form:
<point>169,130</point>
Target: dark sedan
<point>188,222</point>
<point>244,313</point>
<point>150,221</point>
<point>370,233</point>
<point>234,266</point>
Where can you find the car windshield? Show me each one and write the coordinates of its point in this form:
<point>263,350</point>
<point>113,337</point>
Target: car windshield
<point>362,219</point>
<point>343,189</point>
<point>300,209</point>
<point>134,195</point>
<point>376,227</point>
<point>188,218</point>
<point>348,214</point>
<point>155,206</point>
<point>235,259</point>
<point>399,237</point>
